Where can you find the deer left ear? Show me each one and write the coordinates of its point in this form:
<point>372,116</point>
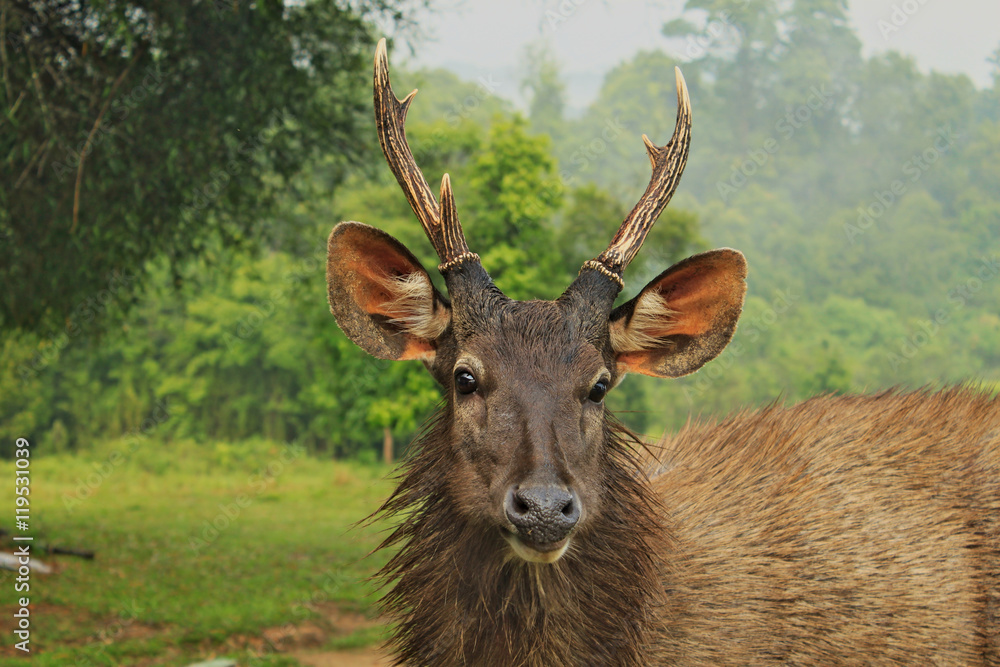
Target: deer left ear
<point>683,318</point>
<point>382,297</point>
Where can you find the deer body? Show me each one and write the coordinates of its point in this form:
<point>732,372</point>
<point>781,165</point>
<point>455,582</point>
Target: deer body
<point>843,531</point>
<point>850,530</point>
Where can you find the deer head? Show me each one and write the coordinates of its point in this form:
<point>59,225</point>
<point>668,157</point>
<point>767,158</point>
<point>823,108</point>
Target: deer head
<point>524,422</point>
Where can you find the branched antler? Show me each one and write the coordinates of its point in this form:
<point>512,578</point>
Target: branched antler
<point>440,223</point>
<point>668,164</point>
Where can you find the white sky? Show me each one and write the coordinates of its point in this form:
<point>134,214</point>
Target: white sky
<point>487,37</point>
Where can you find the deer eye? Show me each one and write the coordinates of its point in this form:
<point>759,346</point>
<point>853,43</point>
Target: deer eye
<point>465,382</point>
<point>598,391</point>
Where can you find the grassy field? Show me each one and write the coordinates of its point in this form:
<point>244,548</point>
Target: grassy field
<point>247,552</point>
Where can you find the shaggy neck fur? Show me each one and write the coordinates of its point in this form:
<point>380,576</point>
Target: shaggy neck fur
<point>460,597</point>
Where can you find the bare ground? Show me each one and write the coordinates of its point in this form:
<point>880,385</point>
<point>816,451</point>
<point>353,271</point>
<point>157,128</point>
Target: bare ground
<point>369,657</point>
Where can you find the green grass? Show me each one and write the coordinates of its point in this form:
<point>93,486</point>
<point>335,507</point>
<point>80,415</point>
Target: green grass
<point>168,587</point>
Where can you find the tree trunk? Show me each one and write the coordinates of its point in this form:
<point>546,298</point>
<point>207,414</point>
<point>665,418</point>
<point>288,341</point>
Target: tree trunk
<point>387,445</point>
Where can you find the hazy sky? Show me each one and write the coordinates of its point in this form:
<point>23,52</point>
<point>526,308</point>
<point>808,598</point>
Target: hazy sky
<point>487,37</point>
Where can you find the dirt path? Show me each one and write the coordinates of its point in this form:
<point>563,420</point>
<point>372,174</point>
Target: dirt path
<point>302,642</point>
<point>368,657</point>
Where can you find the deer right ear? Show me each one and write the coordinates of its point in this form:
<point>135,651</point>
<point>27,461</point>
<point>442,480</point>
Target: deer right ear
<point>683,318</point>
<point>382,297</point>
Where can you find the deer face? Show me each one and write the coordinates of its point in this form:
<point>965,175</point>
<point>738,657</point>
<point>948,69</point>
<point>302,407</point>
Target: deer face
<point>527,401</point>
<point>525,381</point>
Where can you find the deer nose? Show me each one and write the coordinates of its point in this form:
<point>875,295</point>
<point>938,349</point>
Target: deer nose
<point>542,514</point>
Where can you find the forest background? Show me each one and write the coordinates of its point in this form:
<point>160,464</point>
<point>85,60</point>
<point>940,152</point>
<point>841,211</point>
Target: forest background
<point>171,171</point>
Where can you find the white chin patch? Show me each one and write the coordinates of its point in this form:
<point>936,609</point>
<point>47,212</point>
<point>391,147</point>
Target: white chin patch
<point>533,555</point>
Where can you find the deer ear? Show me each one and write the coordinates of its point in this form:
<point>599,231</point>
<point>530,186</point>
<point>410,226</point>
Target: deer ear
<point>683,318</point>
<point>382,297</point>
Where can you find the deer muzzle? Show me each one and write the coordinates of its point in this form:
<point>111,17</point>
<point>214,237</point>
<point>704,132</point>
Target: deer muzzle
<point>543,517</point>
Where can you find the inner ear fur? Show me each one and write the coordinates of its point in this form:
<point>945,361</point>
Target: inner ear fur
<point>381,296</point>
<point>683,318</point>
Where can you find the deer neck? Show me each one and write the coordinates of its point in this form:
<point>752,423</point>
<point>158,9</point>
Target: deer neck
<point>459,595</point>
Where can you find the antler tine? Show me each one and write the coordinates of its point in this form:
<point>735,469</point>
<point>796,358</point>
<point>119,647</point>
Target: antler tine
<point>668,164</point>
<point>444,232</point>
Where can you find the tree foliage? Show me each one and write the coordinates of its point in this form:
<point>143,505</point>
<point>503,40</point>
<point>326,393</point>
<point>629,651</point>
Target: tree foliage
<point>136,130</point>
<point>862,190</point>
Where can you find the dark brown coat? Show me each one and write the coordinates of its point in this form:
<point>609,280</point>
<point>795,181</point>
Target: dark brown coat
<point>842,531</point>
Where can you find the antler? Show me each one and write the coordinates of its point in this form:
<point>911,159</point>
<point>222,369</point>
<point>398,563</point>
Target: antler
<point>668,165</point>
<point>440,223</point>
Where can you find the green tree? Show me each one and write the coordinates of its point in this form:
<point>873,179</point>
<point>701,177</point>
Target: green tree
<point>592,217</point>
<point>514,190</point>
<point>545,90</point>
<point>638,97</point>
<point>140,129</point>
<point>737,44</point>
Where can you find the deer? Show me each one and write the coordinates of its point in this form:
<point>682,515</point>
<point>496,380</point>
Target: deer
<point>532,528</point>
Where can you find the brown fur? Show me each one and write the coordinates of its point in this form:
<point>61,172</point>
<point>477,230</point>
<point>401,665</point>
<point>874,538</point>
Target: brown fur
<point>847,530</point>
<point>381,296</point>
<point>461,597</point>
<point>842,531</point>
